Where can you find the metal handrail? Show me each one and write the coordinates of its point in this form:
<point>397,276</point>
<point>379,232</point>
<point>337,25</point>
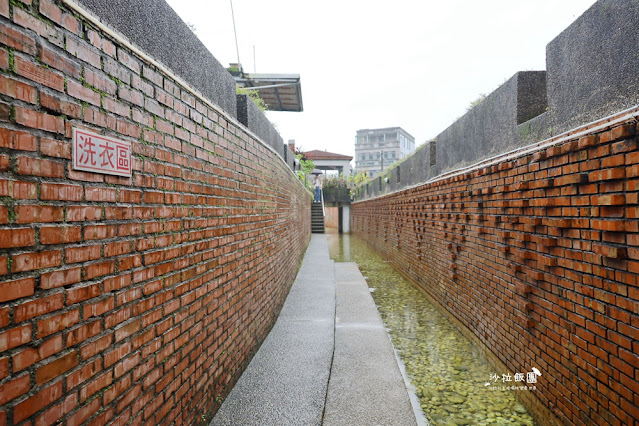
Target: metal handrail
<point>322,198</point>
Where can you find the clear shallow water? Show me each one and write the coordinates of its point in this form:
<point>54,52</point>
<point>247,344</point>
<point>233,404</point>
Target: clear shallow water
<point>448,371</point>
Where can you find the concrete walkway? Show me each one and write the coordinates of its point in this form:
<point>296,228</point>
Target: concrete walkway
<point>328,359</point>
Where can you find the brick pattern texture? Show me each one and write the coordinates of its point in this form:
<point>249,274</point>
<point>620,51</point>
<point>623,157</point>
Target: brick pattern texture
<point>538,257</point>
<point>129,300</point>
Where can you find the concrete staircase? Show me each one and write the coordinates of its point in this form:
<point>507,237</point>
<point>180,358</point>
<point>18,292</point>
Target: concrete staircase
<point>317,218</point>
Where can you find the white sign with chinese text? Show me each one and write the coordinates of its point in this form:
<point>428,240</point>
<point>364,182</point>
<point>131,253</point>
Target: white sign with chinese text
<point>529,377</point>
<point>100,154</point>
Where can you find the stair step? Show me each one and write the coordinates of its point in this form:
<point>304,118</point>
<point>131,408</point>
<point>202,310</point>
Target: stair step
<point>317,218</point>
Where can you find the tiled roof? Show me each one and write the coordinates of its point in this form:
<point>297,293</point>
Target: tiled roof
<point>316,154</point>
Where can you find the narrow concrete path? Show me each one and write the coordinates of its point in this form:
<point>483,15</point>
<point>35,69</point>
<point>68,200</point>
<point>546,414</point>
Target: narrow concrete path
<point>366,386</point>
<point>328,359</point>
<point>285,383</point>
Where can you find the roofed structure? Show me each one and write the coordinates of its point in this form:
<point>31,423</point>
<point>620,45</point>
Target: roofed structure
<point>317,154</point>
<point>280,92</point>
<point>325,160</point>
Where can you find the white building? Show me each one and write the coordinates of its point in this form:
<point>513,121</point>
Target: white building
<point>376,149</point>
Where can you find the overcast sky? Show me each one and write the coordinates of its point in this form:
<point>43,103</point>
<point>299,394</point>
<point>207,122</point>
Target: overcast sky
<point>370,64</point>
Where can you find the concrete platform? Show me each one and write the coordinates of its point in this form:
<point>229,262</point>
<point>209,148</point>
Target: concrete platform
<point>366,386</point>
<point>328,359</point>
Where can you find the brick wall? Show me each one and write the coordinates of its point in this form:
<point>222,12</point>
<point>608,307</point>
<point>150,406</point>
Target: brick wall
<point>538,256</point>
<point>130,299</point>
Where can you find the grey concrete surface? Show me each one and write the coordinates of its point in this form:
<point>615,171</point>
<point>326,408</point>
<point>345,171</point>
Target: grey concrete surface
<point>322,366</point>
<point>366,386</point>
<point>591,74</point>
<point>491,127</point>
<point>154,27</point>
<point>250,115</point>
<point>592,65</point>
<point>285,383</point>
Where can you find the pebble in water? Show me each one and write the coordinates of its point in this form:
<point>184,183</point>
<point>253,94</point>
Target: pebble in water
<point>447,370</point>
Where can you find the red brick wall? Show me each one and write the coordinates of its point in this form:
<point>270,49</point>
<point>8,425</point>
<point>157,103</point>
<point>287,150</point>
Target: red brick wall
<point>539,257</point>
<point>137,298</point>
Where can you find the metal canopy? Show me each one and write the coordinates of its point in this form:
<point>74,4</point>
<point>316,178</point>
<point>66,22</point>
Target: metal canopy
<point>281,92</point>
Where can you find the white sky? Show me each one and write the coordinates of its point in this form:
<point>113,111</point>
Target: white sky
<point>370,63</point>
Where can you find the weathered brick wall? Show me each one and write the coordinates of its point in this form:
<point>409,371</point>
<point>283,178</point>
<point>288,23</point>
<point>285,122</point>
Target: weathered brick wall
<point>538,256</point>
<point>135,298</point>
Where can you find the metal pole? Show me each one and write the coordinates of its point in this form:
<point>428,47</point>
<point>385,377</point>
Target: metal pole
<point>237,49</point>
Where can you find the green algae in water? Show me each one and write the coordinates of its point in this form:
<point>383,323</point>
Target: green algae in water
<point>448,371</point>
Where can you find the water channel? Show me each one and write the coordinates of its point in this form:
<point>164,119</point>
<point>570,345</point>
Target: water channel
<point>452,379</point>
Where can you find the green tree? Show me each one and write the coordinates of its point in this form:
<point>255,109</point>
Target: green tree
<point>306,167</point>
